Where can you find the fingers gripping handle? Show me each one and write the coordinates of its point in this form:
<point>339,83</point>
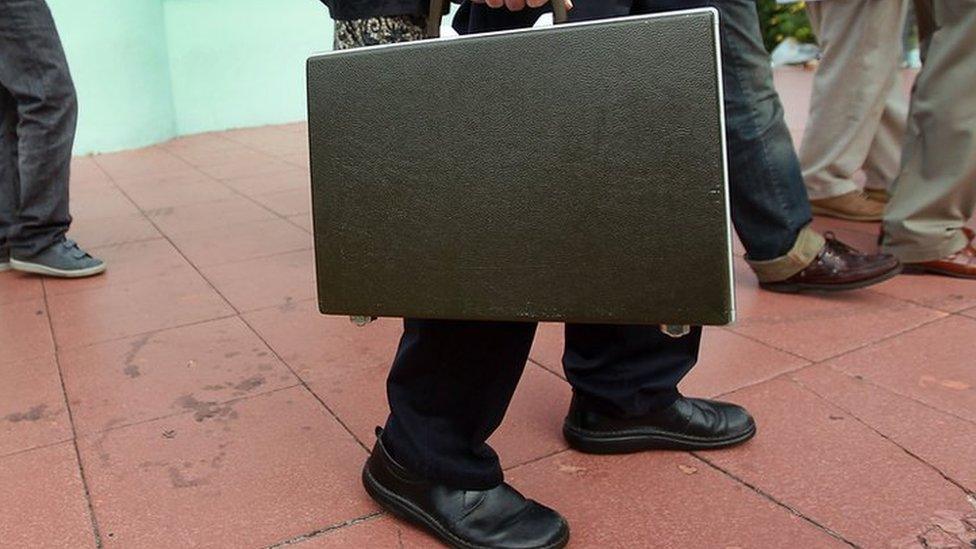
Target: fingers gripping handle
<point>559,15</point>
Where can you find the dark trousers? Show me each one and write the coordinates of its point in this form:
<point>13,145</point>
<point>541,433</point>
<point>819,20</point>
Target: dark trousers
<point>38,112</point>
<point>452,382</point>
<point>769,200</point>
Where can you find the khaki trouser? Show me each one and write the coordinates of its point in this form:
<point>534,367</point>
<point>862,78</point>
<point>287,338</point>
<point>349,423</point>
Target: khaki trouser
<point>858,110</point>
<point>935,193</point>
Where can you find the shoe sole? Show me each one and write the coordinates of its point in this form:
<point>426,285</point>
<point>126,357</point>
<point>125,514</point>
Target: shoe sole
<point>593,442</point>
<point>817,210</point>
<point>828,288</point>
<point>912,269</point>
<point>37,268</point>
<point>5,266</point>
<point>409,512</point>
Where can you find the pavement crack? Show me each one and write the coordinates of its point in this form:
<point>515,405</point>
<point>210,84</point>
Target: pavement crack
<point>326,530</point>
<point>769,497</point>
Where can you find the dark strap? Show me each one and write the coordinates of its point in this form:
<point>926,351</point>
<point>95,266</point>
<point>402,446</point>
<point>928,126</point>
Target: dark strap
<point>559,15</point>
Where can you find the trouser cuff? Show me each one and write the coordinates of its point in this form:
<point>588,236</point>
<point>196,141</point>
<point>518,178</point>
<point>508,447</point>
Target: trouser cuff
<point>807,247</point>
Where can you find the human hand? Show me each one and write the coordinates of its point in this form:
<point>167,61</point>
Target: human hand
<point>516,5</point>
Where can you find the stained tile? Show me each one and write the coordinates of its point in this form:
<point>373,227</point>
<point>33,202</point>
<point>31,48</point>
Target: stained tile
<point>818,327</point>
<point>248,473</point>
<point>26,331</point>
<point>944,441</point>
<point>122,310</point>
<point>291,202</point>
<point>127,263</point>
<point>659,500</point>
<point>933,364</point>
<point>318,347</point>
<point>207,215</point>
<point>270,281</point>
<point>241,241</point>
<point>32,410</point>
<point>858,484</point>
<point>158,374</point>
<point>43,500</point>
<point>16,286</point>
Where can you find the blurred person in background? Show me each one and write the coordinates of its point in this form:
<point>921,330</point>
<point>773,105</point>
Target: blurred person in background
<point>934,195</point>
<point>857,111</point>
<point>770,207</point>
<point>38,112</point>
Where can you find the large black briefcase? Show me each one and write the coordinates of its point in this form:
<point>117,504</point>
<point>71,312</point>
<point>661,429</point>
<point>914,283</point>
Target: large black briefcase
<point>571,173</point>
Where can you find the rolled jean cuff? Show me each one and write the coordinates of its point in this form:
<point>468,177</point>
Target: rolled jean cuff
<point>807,247</point>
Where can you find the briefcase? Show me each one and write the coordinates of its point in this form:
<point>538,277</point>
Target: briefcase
<point>573,173</point>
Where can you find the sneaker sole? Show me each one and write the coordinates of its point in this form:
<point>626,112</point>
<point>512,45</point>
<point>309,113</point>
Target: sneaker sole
<point>37,268</point>
<point>592,442</point>
<point>916,270</point>
<point>828,288</point>
<point>5,266</point>
<point>409,512</point>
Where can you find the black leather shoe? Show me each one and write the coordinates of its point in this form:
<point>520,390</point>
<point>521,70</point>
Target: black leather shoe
<point>498,518</point>
<point>688,424</point>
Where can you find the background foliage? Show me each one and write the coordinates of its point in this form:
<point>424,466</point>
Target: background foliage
<point>780,21</point>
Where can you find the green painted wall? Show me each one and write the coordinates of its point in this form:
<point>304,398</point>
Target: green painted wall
<point>148,70</point>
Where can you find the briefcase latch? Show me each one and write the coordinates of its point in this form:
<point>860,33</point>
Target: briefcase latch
<point>675,330</point>
<point>361,320</point>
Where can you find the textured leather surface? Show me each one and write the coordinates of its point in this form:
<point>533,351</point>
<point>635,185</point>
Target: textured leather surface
<point>573,173</point>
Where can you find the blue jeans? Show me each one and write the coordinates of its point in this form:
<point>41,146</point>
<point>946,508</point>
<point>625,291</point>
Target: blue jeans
<point>769,201</point>
<point>38,112</point>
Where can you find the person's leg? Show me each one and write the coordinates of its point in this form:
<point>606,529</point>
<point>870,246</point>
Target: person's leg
<point>627,371</point>
<point>884,157</point>
<point>625,393</point>
<point>35,72</point>
<point>853,87</point>
<point>935,194</point>
<point>9,176</point>
<point>449,388</point>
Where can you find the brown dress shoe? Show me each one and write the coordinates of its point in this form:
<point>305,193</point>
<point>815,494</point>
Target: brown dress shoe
<point>853,206</point>
<point>839,267</point>
<point>961,264</point>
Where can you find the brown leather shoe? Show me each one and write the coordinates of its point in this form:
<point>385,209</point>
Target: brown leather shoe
<point>853,206</point>
<point>961,264</point>
<point>839,267</point>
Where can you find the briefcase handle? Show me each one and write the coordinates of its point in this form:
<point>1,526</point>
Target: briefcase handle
<point>559,15</point>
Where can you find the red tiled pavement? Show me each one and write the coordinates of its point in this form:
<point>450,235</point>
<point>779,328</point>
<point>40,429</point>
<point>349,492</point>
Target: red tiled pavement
<point>32,410</point>
<point>153,375</point>
<point>179,370</point>
<point>247,473</point>
<point>43,500</point>
<point>835,470</point>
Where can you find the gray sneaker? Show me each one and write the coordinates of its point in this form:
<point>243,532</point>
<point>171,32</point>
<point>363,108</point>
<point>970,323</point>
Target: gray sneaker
<point>63,259</point>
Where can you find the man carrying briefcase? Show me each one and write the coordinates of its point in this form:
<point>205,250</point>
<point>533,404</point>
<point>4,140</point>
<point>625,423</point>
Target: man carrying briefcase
<point>452,381</point>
